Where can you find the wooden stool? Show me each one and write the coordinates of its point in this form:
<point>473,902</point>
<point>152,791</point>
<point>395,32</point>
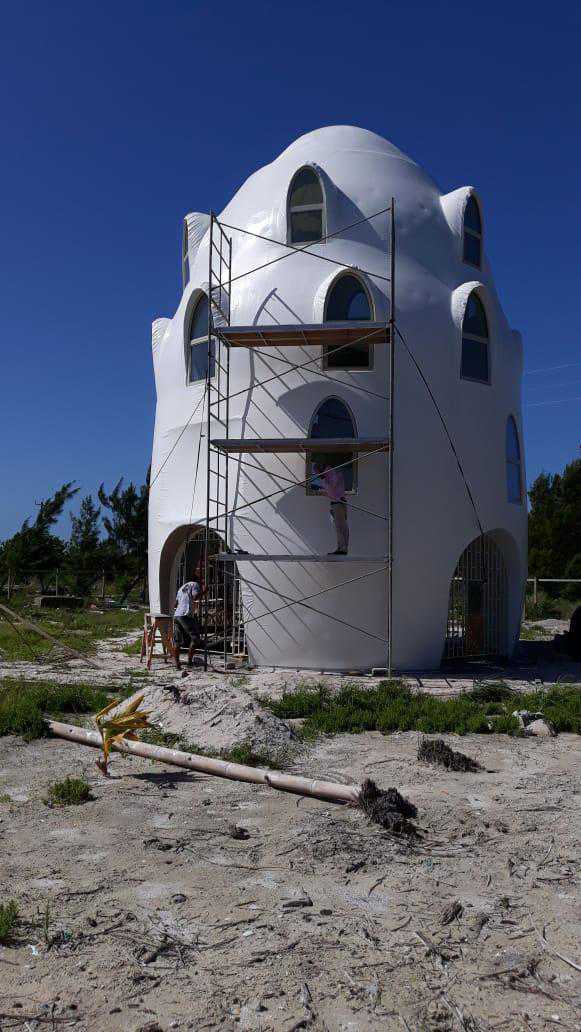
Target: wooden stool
<point>154,625</point>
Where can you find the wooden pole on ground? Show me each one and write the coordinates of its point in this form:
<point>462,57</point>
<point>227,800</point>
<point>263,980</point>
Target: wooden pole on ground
<point>327,790</point>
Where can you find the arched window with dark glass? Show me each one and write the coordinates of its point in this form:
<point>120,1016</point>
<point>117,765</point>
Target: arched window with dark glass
<point>332,419</point>
<point>472,243</point>
<point>475,358</point>
<point>198,350</point>
<point>306,208</point>
<point>513,463</point>
<point>348,301</point>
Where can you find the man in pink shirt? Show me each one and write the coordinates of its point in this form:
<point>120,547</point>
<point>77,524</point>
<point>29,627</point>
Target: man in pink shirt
<point>333,485</point>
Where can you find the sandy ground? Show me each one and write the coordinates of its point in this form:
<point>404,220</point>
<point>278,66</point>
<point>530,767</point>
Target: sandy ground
<point>143,912</point>
<point>536,663</point>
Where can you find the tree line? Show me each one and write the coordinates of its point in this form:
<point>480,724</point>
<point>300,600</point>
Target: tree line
<point>555,524</point>
<point>108,538</point>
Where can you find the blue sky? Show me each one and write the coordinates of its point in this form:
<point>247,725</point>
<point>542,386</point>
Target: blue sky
<point>118,118</point>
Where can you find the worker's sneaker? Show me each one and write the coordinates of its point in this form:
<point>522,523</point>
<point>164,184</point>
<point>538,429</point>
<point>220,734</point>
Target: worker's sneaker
<point>338,551</point>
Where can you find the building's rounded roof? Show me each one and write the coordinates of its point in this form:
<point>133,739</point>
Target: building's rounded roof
<point>331,138</point>
<point>360,172</point>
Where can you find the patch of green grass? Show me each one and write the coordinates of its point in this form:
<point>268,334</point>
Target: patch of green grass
<point>242,753</point>
<point>80,629</point>
<point>535,633</point>
<point>133,649</point>
<point>304,702</point>
<point>21,644</point>
<point>561,705</point>
<point>154,735</point>
<point>8,921</point>
<point>492,691</point>
<point>391,706</point>
<point>549,607</point>
<point>24,703</point>
<point>70,792</point>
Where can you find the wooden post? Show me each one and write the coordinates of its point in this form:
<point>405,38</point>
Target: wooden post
<point>535,587</point>
<point>9,586</point>
<point>103,587</point>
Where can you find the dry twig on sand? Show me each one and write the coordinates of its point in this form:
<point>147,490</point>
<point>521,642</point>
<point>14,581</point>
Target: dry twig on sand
<point>554,952</point>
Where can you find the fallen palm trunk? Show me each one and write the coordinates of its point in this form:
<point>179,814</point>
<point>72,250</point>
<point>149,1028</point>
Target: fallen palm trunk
<point>327,790</point>
<point>389,808</point>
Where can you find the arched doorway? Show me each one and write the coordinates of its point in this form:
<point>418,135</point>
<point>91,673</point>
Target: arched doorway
<point>183,559</point>
<point>188,563</point>
<point>477,610</point>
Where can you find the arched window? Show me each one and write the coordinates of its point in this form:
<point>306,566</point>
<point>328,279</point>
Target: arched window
<point>198,344</point>
<point>348,301</point>
<point>513,463</point>
<point>306,208</point>
<point>475,365</point>
<point>332,418</point>
<point>472,246</point>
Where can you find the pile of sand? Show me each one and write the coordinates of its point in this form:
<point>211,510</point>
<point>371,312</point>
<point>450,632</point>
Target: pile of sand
<point>214,715</point>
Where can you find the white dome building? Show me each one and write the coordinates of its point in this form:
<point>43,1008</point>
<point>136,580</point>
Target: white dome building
<point>310,259</point>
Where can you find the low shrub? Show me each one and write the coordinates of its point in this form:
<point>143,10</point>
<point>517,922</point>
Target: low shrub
<point>70,792</point>
<point>391,706</point>
<point>555,607</point>
<point>8,921</point>
<point>543,609</point>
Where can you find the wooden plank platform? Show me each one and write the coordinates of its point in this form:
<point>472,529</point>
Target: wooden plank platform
<point>243,557</point>
<point>304,335</point>
<point>275,445</point>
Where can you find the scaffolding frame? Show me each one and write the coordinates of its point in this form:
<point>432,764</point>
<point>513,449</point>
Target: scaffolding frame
<point>222,336</point>
<point>217,413</point>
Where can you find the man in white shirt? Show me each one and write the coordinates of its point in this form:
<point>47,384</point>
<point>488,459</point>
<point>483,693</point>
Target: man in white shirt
<point>186,598</point>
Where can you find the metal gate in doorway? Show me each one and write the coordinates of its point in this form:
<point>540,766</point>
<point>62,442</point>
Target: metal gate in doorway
<point>222,603</point>
<point>477,610</point>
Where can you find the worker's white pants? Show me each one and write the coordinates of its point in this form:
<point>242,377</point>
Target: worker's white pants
<point>339,517</point>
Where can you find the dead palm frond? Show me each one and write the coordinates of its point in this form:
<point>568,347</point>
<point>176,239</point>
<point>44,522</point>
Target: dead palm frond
<point>122,725</point>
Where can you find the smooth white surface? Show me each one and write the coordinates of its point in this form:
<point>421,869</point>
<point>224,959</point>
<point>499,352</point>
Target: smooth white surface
<point>433,519</point>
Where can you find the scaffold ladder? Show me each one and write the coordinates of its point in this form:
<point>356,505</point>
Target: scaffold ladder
<point>217,421</point>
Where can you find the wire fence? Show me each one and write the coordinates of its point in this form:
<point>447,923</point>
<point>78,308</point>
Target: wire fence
<point>70,585</point>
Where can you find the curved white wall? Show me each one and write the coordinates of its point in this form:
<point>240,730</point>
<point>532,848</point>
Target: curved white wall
<point>433,519</point>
